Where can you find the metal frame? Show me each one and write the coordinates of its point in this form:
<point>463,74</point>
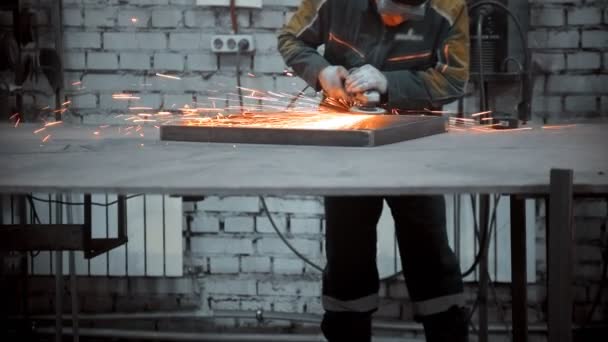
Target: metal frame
<point>63,237</point>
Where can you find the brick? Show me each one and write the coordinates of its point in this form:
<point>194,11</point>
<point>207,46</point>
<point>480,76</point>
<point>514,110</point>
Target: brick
<point>231,286</point>
<point>224,22</point>
<point>189,41</point>
<point>262,223</point>
<point>217,245</point>
<point>595,39</point>
<point>85,101</point>
<point>203,222</point>
<point>269,64</point>
<point>199,18</point>
<point>130,18</point>
<point>201,62</point>
<point>170,85</point>
<point>231,204</point>
<point>553,39</point>
<point>264,83</point>
<point>218,265</point>
<point>274,246</point>
<point>591,208</point>
<point>113,83</point>
<point>584,60</point>
<point>547,104</point>
<point>580,103</point>
<point>134,40</point>
<point>72,17</point>
<point>85,40</point>
<point>276,287</point>
<point>222,82</point>
<point>228,62</point>
<point>584,16</point>
<point>287,266</point>
<point>224,303</point>
<point>547,17</point>
<point>268,19</point>
<point>282,3</point>
<point>303,205</point>
<point>166,18</point>
<point>74,60</point>
<point>108,103</point>
<point>266,43</point>
<point>255,264</point>
<point>177,101</point>
<point>102,61</point>
<point>305,225</point>
<point>168,61</point>
<point>577,83</point>
<point>239,224</point>
<point>134,61</point>
<point>100,18</point>
<point>549,62</point>
<point>148,100</point>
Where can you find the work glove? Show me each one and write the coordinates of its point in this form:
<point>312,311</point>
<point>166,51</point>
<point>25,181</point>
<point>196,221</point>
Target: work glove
<point>332,81</point>
<point>366,78</point>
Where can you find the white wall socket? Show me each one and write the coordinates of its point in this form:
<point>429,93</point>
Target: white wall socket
<point>230,43</point>
<point>226,3</point>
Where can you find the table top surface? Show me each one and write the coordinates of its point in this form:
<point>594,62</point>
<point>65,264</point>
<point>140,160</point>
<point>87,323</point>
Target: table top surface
<point>106,160</point>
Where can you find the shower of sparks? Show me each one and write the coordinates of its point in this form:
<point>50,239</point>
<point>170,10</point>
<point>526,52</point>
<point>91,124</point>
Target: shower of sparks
<point>140,108</point>
<point>481,113</point>
<point>39,130</point>
<point>66,103</point>
<point>75,83</point>
<point>168,76</point>
<point>13,116</point>
<point>134,20</point>
<point>45,139</point>
<point>17,122</point>
<point>123,96</point>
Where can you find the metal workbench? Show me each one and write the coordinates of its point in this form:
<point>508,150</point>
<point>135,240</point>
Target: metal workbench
<point>557,163</point>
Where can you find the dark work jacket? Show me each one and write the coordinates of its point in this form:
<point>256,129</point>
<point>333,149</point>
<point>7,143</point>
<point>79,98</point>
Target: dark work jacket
<point>426,61</point>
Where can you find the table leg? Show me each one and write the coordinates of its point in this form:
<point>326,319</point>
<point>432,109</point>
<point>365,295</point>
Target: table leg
<point>559,247</point>
<point>484,215</point>
<point>518,269</point>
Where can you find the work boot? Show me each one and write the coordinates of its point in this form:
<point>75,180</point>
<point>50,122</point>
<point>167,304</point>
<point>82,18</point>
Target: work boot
<point>447,326</point>
<point>347,326</point>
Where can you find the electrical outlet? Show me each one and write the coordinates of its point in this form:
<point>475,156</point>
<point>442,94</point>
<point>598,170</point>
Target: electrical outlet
<point>231,43</point>
<point>226,3</point>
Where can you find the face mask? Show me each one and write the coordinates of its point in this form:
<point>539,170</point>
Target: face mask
<point>388,7</point>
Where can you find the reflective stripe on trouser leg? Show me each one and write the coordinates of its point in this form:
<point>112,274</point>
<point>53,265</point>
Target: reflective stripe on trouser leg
<point>364,304</point>
<point>437,305</point>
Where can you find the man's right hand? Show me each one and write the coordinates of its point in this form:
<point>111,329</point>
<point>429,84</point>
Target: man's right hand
<point>332,81</point>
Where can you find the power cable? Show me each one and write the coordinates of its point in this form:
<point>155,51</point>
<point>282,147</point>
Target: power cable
<point>81,203</point>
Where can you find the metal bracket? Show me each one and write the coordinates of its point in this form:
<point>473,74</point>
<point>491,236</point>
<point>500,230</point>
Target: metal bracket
<point>62,237</point>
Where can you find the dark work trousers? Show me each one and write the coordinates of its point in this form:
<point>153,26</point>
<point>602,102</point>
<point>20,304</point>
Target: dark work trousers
<point>350,280</point>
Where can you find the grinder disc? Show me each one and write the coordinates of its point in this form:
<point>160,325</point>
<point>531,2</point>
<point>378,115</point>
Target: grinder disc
<point>367,110</point>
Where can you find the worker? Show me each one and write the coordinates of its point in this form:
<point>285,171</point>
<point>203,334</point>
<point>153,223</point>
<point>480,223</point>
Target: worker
<point>415,53</point>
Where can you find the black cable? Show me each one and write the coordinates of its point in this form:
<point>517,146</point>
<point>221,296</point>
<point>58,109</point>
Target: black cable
<point>527,79</point>
<point>81,203</point>
<point>482,82</point>
<point>282,237</point>
<point>483,239</point>
<point>293,101</point>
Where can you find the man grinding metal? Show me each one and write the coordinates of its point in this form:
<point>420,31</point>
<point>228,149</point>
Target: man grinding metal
<point>414,54</point>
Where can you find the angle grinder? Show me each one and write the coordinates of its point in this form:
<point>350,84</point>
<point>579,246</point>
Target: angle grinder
<point>367,102</point>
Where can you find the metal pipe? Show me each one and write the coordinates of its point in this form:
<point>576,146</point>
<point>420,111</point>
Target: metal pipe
<point>73,280</point>
<point>58,276</point>
<point>270,316</point>
<point>180,336</point>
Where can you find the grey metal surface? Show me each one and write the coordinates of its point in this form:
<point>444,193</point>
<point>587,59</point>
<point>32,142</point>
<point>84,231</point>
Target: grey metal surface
<point>75,160</point>
<point>374,131</point>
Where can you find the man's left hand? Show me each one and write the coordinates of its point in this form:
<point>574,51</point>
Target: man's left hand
<point>366,78</point>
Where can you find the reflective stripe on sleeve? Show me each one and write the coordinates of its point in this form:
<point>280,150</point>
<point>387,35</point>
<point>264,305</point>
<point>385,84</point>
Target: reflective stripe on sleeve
<point>363,304</point>
<point>438,304</point>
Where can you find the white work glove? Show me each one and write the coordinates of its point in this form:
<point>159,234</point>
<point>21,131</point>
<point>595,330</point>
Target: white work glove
<point>332,81</point>
<point>366,78</point>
